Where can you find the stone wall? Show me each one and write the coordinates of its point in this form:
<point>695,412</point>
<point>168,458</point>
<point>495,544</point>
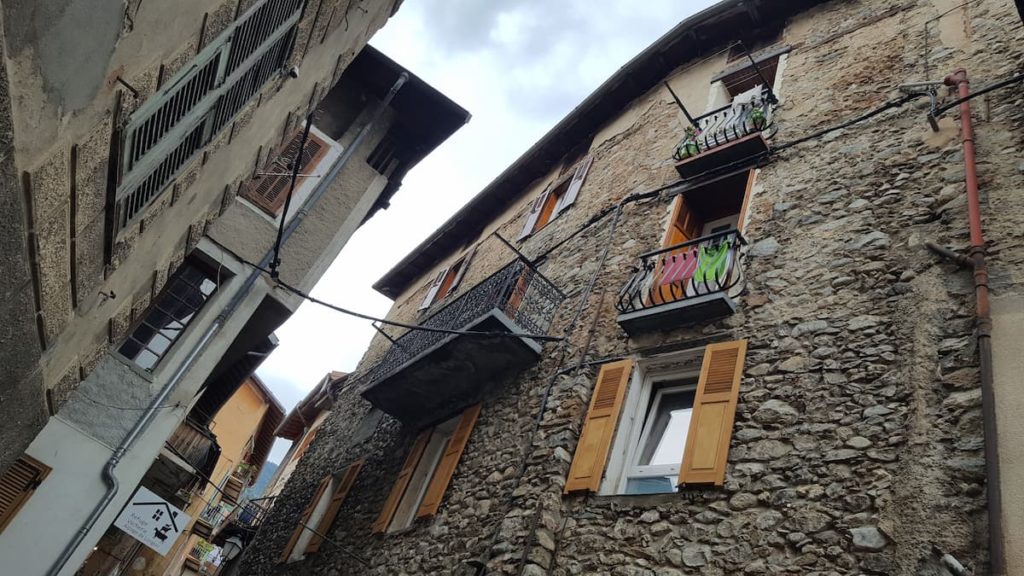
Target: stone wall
<point>857,447</point>
<point>77,296</point>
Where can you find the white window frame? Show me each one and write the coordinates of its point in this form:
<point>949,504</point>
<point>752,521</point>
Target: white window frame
<point>648,374</point>
<point>634,470</point>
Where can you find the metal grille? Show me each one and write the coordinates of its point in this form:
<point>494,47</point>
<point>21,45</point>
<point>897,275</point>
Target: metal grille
<point>256,27</point>
<point>249,83</point>
<point>525,296</point>
<point>727,124</point>
<point>178,103</point>
<point>134,202</point>
<point>165,135</point>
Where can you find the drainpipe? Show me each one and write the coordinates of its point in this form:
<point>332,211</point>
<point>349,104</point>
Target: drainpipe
<point>983,324</point>
<point>109,476</point>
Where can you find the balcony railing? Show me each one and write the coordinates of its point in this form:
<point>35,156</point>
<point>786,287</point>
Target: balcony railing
<point>196,445</point>
<point>687,272</point>
<point>525,296</point>
<point>745,116</point>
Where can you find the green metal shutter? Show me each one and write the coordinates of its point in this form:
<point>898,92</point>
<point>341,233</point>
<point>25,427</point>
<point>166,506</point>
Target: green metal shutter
<point>177,123</point>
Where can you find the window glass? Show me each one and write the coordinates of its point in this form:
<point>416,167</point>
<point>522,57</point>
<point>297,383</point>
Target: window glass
<point>168,316</point>
<point>314,520</point>
<point>655,458</point>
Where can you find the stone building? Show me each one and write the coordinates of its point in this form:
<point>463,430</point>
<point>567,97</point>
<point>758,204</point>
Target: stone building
<point>148,154</point>
<point>725,350</point>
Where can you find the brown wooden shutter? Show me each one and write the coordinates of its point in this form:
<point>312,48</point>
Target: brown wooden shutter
<point>306,514</point>
<point>269,192</point>
<point>17,486</point>
<point>535,210</point>
<point>714,409</point>
<point>599,428</point>
<point>337,499</point>
<point>398,489</point>
<point>233,487</point>
<point>446,467</point>
<point>578,176</point>
<point>432,291</point>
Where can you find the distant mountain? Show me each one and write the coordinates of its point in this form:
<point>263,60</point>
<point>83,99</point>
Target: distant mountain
<point>257,489</point>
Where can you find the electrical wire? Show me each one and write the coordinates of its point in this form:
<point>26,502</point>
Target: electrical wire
<point>484,333</point>
<point>1014,79</point>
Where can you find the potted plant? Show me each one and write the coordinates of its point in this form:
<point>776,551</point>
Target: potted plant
<point>757,118</point>
<point>688,146</point>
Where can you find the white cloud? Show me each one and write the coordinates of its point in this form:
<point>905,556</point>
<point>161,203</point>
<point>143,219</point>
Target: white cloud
<point>518,67</point>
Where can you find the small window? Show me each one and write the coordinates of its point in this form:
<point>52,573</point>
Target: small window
<point>558,197</point>
<point>269,188</point>
<point>169,315</point>
<point>383,159</point>
<point>655,459</point>
<point>319,511</point>
<point>746,78</point>
<point>17,485</point>
<point>417,488</point>
<point>447,280</point>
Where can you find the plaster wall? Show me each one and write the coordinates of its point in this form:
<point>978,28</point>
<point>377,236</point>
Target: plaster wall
<point>1008,364</point>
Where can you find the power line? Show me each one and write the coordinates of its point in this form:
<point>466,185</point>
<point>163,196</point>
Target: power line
<point>336,308</point>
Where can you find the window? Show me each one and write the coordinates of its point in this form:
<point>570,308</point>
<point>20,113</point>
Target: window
<point>653,465</point>
<point>17,485</point>
<point>269,188</point>
<point>172,127</point>
<point>447,280</point>
<point>169,315</point>
<point>319,515</point>
<point>383,159</point>
<point>426,473</point>
<point>556,198</point>
<point>676,423</point>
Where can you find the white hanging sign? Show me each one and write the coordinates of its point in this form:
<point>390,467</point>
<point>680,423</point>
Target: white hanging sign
<point>151,520</point>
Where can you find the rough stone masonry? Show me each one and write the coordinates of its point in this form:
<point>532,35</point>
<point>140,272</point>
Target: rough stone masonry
<point>857,446</point>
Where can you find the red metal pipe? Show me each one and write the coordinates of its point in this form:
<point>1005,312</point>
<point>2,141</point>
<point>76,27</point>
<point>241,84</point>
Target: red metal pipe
<point>983,325</point>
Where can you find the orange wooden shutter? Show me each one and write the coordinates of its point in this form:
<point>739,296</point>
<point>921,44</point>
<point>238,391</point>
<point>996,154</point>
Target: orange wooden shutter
<point>269,192</point>
<point>599,428</point>
<point>305,519</point>
<point>461,272</point>
<point>17,486</point>
<point>344,487</point>
<point>714,409</point>
<point>446,467</point>
<point>398,489</point>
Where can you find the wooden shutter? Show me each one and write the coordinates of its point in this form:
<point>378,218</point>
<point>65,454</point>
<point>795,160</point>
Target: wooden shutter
<point>337,499</point>
<point>434,287</point>
<point>232,491</point>
<point>599,428</point>
<point>398,489</point>
<point>714,409</point>
<point>462,271</point>
<point>270,192</point>
<point>306,514</point>
<point>535,210</point>
<point>446,467</point>
<point>17,486</point>
<point>578,176</point>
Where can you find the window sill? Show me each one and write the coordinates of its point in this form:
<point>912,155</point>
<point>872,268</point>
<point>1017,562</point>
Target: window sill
<point>147,375</point>
<point>690,495</point>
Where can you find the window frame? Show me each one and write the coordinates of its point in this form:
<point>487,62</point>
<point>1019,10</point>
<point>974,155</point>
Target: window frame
<point>648,373</point>
<point>182,323</point>
<point>632,468</point>
<point>301,546</point>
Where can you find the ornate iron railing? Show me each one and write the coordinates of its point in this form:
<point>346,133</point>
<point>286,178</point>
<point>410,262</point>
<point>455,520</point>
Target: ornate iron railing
<point>742,117</point>
<point>524,295</point>
<point>703,266</point>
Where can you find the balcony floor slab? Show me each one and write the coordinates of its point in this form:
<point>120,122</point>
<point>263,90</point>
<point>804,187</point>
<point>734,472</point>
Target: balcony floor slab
<point>671,315</point>
<point>455,372</point>
<point>728,153</point>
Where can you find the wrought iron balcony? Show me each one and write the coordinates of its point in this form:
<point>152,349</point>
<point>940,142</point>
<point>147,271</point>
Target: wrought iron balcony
<point>734,131</point>
<point>687,282</point>
<point>424,374</point>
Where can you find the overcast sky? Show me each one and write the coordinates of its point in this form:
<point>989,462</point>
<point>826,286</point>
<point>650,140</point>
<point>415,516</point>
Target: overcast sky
<point>518,67</point>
